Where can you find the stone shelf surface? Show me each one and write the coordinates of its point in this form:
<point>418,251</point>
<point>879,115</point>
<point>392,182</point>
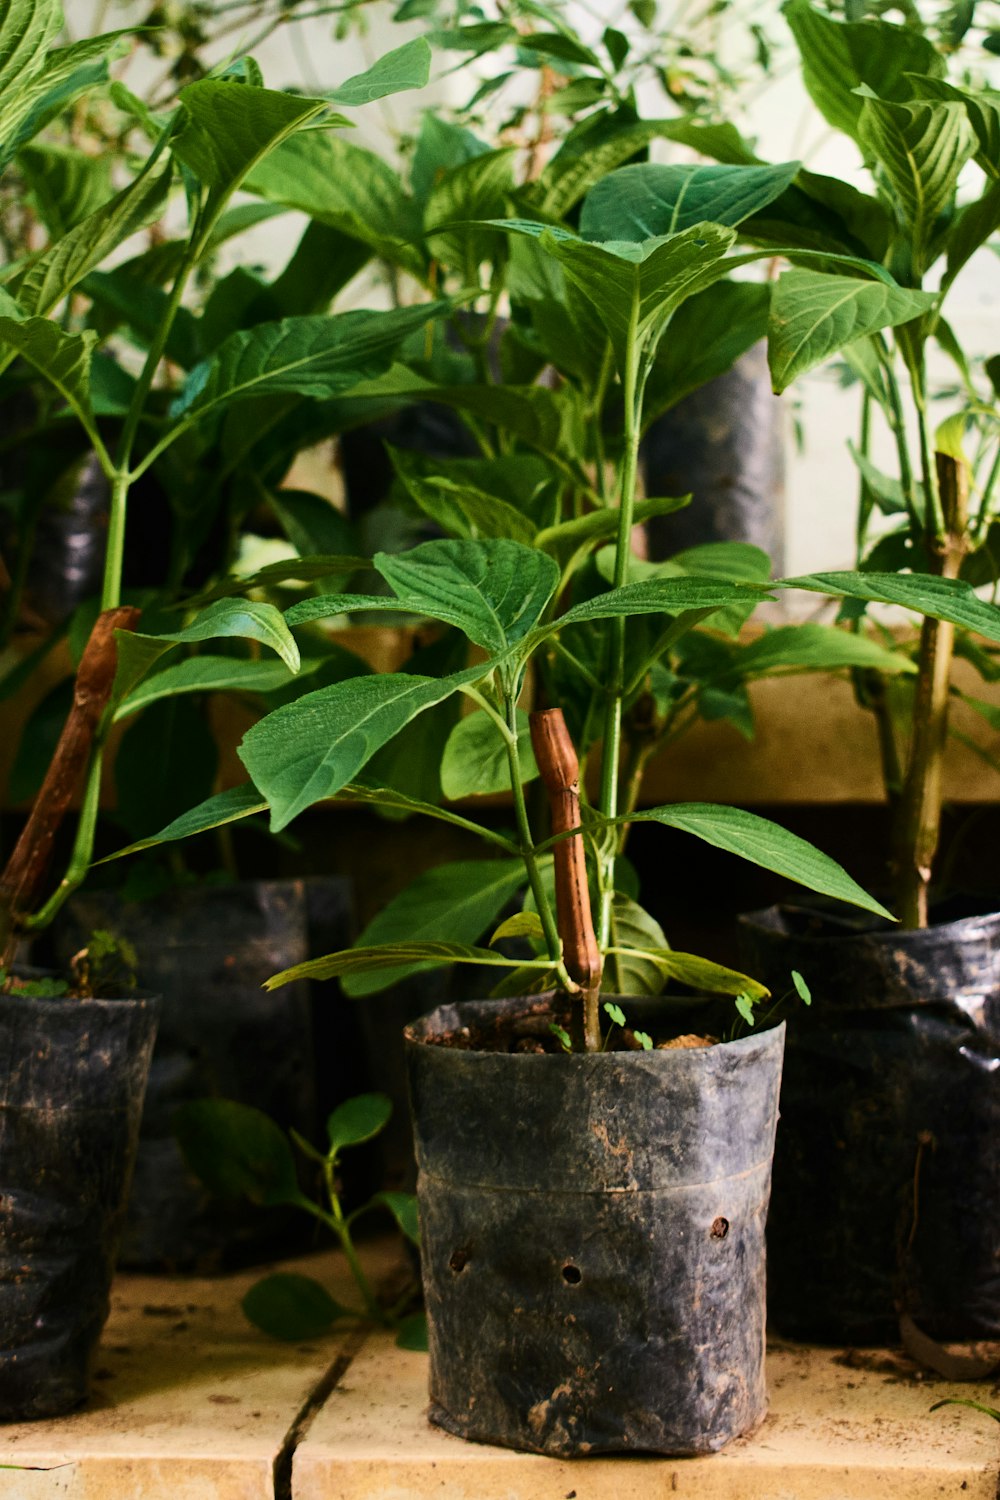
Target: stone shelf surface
<point>191,1403</point>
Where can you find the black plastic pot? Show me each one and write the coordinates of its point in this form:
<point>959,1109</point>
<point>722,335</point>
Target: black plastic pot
<point>592,1237</point>
<point>724,445</point>
<point>886,1191</point>
<point>208,950</point>
<point>74,1077</point>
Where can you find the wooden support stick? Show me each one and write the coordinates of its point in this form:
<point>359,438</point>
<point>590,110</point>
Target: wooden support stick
<point>560,773</point>
<point>22,879</point>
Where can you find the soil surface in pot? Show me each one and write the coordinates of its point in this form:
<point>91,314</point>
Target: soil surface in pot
<point>530,1030</point>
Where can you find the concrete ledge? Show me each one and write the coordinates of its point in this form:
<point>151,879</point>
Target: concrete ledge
<point>191,1403</point>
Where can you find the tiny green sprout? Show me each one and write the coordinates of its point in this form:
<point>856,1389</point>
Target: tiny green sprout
<point>744,1005</point>
<point>644,1039</point>
<point>987,1411</point>
<point>801,988</point>
<point>614,1013</point>
<point>562,1037</point>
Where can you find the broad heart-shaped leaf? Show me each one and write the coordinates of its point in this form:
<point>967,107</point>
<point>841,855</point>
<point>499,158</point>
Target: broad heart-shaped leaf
<point>940,598</point>
<point>921,148</point>
<point>493,590</point>
<point>475,763</point>
<point>226,128</point>
<point>838,57</point>
<point>357,1120</point>
<point>408,956</point>
<point>307,356</point>
<point>237,1151</point>
<point>62,358</point>
<point>450,903</point>
<point>347,187</point>
<point>45,281</point>
<point>405,67</point>
<point>225,807</point>
<point>635,286</point>
<point>762,843</point>
<point>648,199</point>
<point>310,749</point>
<point>287,1305</point>
<point>814,315</point>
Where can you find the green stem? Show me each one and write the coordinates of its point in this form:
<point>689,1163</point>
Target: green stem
<point>616,688</point>
<point>342,1230</point>
<point>553,942</point>
<point>83,845</point>
<point>897,424</point>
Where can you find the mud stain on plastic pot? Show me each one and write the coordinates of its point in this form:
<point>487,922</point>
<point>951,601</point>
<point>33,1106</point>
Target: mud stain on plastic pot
<point>593,1235</point>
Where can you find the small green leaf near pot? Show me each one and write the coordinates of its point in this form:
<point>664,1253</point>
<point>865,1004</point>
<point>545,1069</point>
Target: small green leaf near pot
<point>357,1120</point>
<point>292,1307</point>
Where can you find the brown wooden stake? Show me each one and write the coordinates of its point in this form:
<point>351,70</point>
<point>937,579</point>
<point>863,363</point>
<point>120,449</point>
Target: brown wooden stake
<point>560,773</point>
<point>22,879</point>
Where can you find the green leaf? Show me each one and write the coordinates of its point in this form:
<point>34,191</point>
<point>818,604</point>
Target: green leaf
<point>763,843</point>
<point>310,749</point>
<point>801,988</point>
<point>211,674</point>
<point>314,527</point>
<point>168,759</point>
<point>289,1306</point>
<point>474,190</point>
<point>405,67</point>
<point>494,590</point>
<point>237,1151</point>
<point>647,199</point>
<point>357,1120</point>
<point>459,506</point>
<point>46,280</point>
<point>63,359</point>
<point>308,356</point>
<point>403,1207</point>
<point>629,969</point>
<point>523,924</point>
<point>558,45</point>
<point>580,163</point>
<point>412,1333</point>
<point>65,183</point>
<point>703,974</point>
<point>614,1013</point>
<point>347,187</point>
<point>225,128</point>
<point>809,647</point>
<point>839,57</point>
<point>225,807</point>
<point>744,1008</point>
<point>27,30</point>
<point>940,598</point>
<point>357,961</point>
<point>644,1039</point>
<point>921,149</point>
<point>454,902</point>
<point>983,108</point>
<point>302,569</point>
<point>475,762</point>
<point>813,315</point>
<point>654,596</point>
<point>441,145</point>
<point>245,618</point>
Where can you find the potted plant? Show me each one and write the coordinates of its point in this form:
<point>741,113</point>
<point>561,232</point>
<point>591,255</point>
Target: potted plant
<point>883,1205</point>
<point>73,1055</point>
<point>681,1371</point>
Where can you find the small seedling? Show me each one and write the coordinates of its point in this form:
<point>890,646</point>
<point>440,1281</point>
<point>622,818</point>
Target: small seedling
<point>987,1411</point>
<point>32,989</point>
<point>616,1016</point>
<point>801,988</point>
<point>562,1037</point>
<point>644,1039</point>
<point>238,1151</point>
<point>744,1006</point>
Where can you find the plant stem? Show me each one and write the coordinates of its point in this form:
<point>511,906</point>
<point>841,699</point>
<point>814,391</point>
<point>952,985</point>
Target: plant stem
<point>342,1230</point>
<point>918,823</point>
<point>527,847</point>
<point>616,688</point>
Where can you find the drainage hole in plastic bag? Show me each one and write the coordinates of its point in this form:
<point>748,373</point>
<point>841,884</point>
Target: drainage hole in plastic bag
<point>720,1228</point>
<point>572,1275</point>
<point>459,1261</point>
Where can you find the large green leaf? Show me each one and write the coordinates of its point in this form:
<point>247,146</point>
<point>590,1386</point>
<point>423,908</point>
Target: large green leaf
<point>43,283</point>
<point>62,358</point>
<point>226,128</point>
<point>628,968</point>
<point>310,749</point>
<point>921,148</point>
<point>357,1120</point>
<point>839,57</point>
<point>247,619</point>
<point>763,843</point>
<point>287,1305</point>
<point>983,108</point>
<point>355,961</point>
<point>452,903</point>
<point>405,67</point>
<point>212,674</point>
<point>582,161</point>
<point>493,590</point>
<point>237,1151</point>
<point>347,187</point>
<point>940,598</point>
<point>814,315</point>
<point>810,647</point>
<point>67,184</point>
<point>475,762</point>
<point>308,356</point>
<point>473,190</point>
<point>648,199</point>
<point>670,596</point>
<point>29,101</point>
<point>635,287</point>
